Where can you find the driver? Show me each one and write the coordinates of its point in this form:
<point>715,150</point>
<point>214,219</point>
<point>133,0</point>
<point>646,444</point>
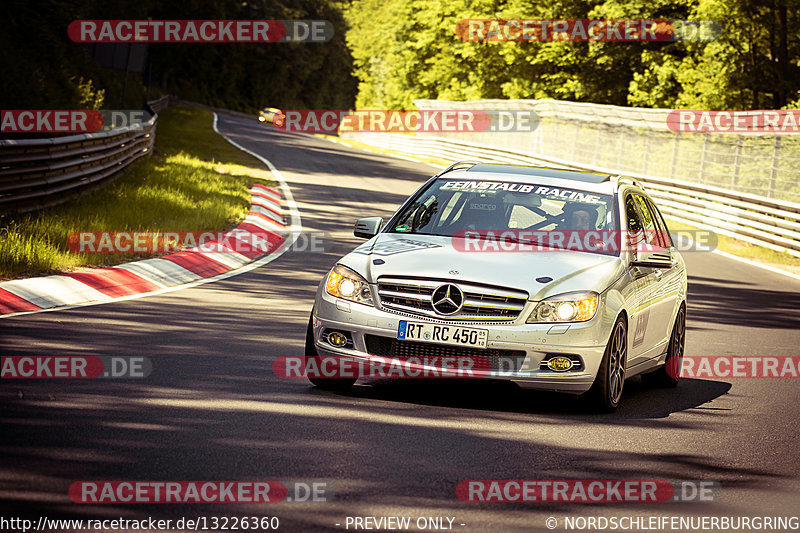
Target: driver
<point>580,216</point>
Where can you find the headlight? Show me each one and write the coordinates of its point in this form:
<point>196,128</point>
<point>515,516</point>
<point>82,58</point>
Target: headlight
<point>346,284</point>
<point>569,307</point>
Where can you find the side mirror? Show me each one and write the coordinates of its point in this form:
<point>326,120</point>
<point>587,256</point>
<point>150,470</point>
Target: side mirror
<point>367,228</point>
<point>653,259</point>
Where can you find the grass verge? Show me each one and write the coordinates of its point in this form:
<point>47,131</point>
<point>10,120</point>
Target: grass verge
<point>194,181</point>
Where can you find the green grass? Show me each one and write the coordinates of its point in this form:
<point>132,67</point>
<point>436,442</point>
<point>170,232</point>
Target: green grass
<point>194,181</point>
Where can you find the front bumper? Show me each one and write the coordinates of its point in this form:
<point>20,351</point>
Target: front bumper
<point>530,343</point>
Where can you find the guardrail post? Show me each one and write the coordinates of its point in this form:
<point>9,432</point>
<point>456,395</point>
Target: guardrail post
<point>703,158</point>
<point>596,149</point>
<point>674,156</point>
<point>773,173</point>
<point>575,141</point>
<point>737,161</point>
<point>555,133</point>
<point>540,136</point>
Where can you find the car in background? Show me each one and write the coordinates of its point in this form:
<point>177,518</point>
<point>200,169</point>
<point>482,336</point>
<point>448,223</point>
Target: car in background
<point>271,115</point>
<point>556,318</point>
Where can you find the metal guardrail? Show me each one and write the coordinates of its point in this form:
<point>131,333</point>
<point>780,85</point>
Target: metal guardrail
<point>767,222</point>
<point>39,173</point>
<point>157,106</point>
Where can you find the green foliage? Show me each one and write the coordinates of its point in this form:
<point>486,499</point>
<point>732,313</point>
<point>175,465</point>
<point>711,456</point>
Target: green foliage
<point>88,97</point>
<point>755,63</point>
<point>408,49</point>
<point>43,68</point>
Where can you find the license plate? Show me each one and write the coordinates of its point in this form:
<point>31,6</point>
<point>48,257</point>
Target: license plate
<point>452,335</point>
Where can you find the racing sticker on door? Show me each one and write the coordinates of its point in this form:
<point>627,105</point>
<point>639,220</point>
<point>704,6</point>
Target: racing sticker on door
<point>641,327</point>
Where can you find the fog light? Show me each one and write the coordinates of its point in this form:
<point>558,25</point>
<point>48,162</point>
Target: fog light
<point>336,339</point>
<point>559,364</point>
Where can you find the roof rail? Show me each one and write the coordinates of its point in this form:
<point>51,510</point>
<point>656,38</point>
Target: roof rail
<point>628,179</point>
<point>457,165</point>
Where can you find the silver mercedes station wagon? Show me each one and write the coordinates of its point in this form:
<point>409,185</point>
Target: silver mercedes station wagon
<point>554,279</point>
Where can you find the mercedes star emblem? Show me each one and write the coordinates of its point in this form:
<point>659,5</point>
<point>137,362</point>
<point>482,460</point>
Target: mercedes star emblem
<point>447,299</point>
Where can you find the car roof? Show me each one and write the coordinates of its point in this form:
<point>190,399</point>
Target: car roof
<point>553,177</point>
<point>543,172</point>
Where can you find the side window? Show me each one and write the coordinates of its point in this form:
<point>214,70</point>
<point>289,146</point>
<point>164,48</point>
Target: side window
<point>661,223</point>
<point>634,222</point>
<point>634,235</point>
<point>420,214</point>
<point>651,233</point>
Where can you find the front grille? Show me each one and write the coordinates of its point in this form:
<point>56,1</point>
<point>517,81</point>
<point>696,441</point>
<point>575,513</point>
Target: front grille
<point>481,302</point>
<point>488,359</point>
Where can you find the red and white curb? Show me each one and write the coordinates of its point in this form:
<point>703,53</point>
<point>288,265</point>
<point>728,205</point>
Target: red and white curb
<point>273,218</point>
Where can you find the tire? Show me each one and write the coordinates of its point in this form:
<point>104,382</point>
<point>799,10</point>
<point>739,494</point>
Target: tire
<point>669,374</point>
<point>606,392</point>
<point>338,384</point>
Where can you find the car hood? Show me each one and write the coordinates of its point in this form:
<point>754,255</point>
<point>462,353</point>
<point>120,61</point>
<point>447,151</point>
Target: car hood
<point>393,254</point>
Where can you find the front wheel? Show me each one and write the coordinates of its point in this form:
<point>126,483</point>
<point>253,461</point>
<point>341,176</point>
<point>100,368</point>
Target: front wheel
<point>669,374</point>
<point>311,351</point>
<point>606,391</point>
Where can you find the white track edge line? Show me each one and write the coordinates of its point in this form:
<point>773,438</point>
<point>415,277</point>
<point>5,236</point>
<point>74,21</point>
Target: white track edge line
<point>750,262</point>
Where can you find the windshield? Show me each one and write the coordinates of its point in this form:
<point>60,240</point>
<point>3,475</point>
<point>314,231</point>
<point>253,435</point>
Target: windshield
<point>450,208</point>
